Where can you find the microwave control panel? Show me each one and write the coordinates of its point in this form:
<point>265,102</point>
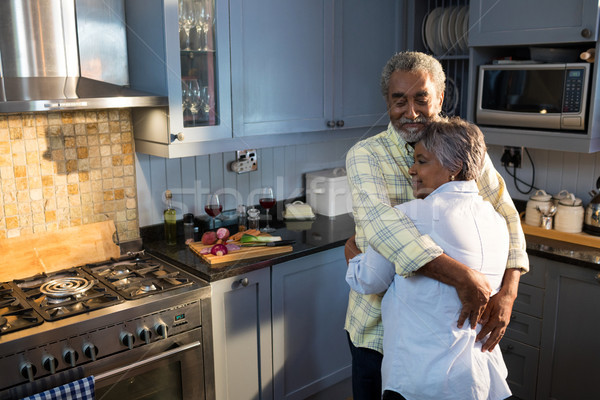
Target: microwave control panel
<point>573,91</point>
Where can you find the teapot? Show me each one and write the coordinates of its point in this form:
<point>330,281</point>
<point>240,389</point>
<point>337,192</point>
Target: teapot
<point>591,221</point>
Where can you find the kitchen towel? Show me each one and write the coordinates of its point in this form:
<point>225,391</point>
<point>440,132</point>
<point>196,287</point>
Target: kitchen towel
<point>83,389</point>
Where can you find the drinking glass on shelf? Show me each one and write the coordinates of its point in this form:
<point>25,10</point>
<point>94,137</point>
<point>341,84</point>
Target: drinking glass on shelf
<point>187,19</point>
<point>266,201</point>
<point>213,207</point>
<point>206,98</point>
<point>195,94</point>
<point>186,98</point>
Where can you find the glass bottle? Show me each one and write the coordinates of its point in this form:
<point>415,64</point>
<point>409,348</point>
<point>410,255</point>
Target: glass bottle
<point>188,226</point>
<point>253,218</point>
<point>170,220</point>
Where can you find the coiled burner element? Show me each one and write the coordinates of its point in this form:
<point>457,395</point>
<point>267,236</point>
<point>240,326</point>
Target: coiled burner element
<point>65,287</point>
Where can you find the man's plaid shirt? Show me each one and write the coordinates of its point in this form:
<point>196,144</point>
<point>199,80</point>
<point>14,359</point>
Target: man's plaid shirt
<point>378,177</point>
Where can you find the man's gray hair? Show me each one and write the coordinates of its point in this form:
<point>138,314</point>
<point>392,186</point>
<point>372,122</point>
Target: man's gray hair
<point>413,61</point>
<point>457,144</point>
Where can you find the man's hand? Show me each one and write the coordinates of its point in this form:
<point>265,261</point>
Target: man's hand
<point>472,286</point>
<point>496,317</point>
<point>350,249</point>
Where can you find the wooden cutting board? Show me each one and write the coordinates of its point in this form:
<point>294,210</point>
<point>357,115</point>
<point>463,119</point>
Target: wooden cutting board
<point>25,256</point>
<point>245,253</point>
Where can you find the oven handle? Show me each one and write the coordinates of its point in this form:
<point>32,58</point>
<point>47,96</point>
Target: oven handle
<point>157,357</point>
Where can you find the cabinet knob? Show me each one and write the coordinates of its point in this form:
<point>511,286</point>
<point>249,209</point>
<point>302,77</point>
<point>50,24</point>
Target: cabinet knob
<point>508,348</point>
<point>244,282</point>
<point>586,33</point>
<point>339,123</point>
<point>597,277</point>
<point>331,124</point>
<point>179,136</point>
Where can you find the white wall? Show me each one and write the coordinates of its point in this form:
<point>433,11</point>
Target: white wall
<point>554,171</point>
<point>191,178</point>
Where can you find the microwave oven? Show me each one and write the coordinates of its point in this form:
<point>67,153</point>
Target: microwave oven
<point>537,96</point>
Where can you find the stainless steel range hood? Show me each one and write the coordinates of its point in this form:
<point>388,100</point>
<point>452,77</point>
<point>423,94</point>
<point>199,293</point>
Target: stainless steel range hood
<point>66,55</point>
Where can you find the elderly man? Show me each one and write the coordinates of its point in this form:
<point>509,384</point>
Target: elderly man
<point>413,86</point>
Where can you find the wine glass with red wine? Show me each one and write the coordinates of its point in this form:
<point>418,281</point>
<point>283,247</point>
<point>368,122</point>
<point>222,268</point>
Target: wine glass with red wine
<point>213,207</point>
<point>266,201</point>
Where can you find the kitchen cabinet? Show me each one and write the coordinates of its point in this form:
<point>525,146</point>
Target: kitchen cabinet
<point>312,65</point>
<point>241,317</point>
<point>194,74</point>
<point>310,347</point>
<point>569,362</point>
<point>521,343</point>
<point>517,22</point>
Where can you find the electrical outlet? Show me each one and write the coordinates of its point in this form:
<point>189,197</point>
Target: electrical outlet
<point>246,161</point>
<point>512,156</point>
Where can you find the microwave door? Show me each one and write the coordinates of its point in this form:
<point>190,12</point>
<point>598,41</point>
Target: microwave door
<point>521,97</point>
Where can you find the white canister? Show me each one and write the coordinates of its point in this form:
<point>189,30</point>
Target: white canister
<point>569,215</point>
<point>563,194</point>
<point>541,200</point>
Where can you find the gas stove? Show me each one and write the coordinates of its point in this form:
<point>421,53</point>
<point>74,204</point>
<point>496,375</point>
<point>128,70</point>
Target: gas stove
<point>74,320</point>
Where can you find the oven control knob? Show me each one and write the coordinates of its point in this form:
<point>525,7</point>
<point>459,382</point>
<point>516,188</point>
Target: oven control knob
<point>161,330</point>
<point>127,339</point>
<point>28,371</point>
<point>50,363</point>
<point>70,356</point>
<point>145,335</point>
<point>90,351</point>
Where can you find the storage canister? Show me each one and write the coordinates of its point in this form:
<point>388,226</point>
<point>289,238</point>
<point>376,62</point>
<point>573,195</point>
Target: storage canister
<point>327,192</point>
<point>569,215</point>
<point>540,199</point>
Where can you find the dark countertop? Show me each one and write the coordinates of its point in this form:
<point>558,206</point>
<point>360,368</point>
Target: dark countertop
<point>322,234</point>
<point>311,237</point>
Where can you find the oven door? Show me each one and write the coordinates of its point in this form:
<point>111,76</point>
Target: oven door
<point>171,368</point>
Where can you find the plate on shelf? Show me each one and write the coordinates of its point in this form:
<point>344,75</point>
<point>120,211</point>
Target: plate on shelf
<point>460,33</point>
<point>452,29</point>
<point>465,28</point>
<point>451,95</point>
<point>444,39</point>
<point>431,30</point>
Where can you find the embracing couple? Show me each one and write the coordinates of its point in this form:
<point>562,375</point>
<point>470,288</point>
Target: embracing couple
<point>438,243</point>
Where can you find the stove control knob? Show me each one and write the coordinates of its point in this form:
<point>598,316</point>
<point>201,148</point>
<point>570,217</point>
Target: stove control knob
<point>50,363</point>
<point>70,356</point>
<point>127,339</point>
<point>90,351</point>
<point>161,329</point>
<point>28,371</point>
<point>145,335</point>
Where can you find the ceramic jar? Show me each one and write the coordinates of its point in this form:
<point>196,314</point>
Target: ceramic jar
<point>569,215</point>
<point>563,194</point>
<point>542,200</point>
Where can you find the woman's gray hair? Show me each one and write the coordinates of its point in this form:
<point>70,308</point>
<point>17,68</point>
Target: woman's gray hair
<point>413,61</point>
<point>457,144</point>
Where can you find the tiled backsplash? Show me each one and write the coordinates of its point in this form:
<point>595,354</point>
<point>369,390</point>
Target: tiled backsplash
<point>61,169</point>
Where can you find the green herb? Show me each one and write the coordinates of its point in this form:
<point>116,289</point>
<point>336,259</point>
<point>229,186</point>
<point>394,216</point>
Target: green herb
<point>259,239</point>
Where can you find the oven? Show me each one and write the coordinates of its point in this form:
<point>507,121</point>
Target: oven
<point>136,324</point>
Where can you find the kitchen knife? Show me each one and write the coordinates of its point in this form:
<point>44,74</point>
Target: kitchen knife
<point>269,244</point>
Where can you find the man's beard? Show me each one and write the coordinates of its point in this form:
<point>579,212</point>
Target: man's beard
<point>411,135</point>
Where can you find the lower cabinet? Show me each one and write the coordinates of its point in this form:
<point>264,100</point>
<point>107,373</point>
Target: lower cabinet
<point>278,333</point>
<point>570,356</point>
<point>309,301</point>
<point>241,317</point>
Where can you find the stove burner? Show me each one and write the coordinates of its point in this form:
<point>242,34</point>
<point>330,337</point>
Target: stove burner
<point>66,287</point>
<point>146,287</point>
<point>121,269</point>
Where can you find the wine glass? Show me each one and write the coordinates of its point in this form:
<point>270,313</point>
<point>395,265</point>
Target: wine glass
<point>213,207</point>
<point>186,99</point>
<point>187,19</point>
<point>267,201</point>
<point>206,98</point>
<point>195,93</point>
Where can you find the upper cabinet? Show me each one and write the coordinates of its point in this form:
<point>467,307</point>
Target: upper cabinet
<point>518,22</point>
<point>310,66</point>
<point>180,48</point>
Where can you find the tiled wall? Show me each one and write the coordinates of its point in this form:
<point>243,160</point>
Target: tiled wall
<point>62,169</point>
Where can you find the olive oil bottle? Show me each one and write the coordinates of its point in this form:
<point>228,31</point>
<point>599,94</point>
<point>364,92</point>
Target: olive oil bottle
<point>170,220</point>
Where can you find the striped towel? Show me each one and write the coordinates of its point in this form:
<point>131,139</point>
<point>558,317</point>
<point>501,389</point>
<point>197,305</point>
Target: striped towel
<point>82,389</point>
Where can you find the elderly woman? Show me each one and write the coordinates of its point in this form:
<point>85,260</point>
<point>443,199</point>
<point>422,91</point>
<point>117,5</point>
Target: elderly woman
<point>425,355</point>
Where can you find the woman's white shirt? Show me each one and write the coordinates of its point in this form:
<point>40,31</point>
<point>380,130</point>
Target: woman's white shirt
<point>425,355</point>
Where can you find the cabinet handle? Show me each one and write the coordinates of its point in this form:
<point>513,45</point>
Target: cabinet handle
<point>508,348</point>
<point>597,277</point>
<point>244,281</point>
<point>331,124</point>
<point>339,123</point>
<point>586,33</point>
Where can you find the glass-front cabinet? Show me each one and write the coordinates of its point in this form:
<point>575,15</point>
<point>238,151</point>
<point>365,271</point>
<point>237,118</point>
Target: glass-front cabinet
<point>180,49</point>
